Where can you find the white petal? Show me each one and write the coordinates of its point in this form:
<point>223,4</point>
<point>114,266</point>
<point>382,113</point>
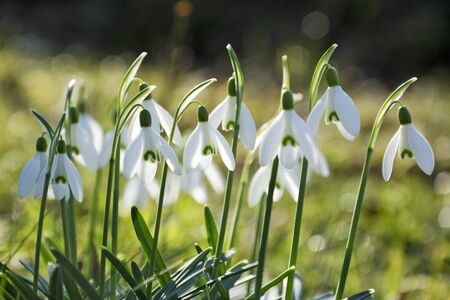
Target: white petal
<point>60,190</point>
<point>166,122</point>
<point>322,166</point>
<point>132,157</point>
<point>224,149</point>
<point>271,141</point>
<point>316,114</point>
<point>247,129</point>
<point>95,130</point>
<point>289,181</point>
<point>150,105</point>
<point>73,179</point>
<point>344,132</point>
<point>347,112</point>
<point>169,154</point>
<point>135,194</point>
<point>421,150</point>
<point>192,151</point>
<point>217,115</point>
<point>147,172</point>
<point>29,176</point>
<point>304,138</point>
<point>199,194</point>
<point>288,156</point>
<point>39,188</point>
<point>83,140</point>
<point>205,162</point>
<point>215,178</point>
<point>389,156</point>
<point>258,185</point>
<point>106,149</point>
<point>133,131</point>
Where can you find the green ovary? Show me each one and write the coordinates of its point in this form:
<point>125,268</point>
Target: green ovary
<point>151,155</point>
<point>208,149</point>
<point>333,117</point>
<point>60,179</point>
<point>406,154</point>
<point>229,125</point>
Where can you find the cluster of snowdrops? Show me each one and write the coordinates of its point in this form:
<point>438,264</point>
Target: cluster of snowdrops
<point>147,137</point>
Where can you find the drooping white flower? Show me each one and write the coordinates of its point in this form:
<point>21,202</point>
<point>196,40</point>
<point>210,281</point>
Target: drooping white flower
<point>286,179</point>
<point>408,142</point>
<point>145,151</point>
<point>225,113</point>
<point>65,178</point>
<point>338,108</point>
<point>29,176</point>
<point>205,142</point>
<point>287,136</point>
<point>108,141</point>
<point>161,120</point>
<point>83,143</point>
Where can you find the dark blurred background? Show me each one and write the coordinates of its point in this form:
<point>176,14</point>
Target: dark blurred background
<point>385,39</point>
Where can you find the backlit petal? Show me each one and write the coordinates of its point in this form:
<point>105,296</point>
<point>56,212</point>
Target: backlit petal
<point>218,113</point>
<point>421,150</point>
<point>133,155</point>
<point>29,176</point>
<point>73,179</point>
<point>192,150</point>
<point>389,156</point>
<point>271,141</point>
<point>347,112</point>
<point>258,185</point>
<point>224,149</point>
<point>247,129</point>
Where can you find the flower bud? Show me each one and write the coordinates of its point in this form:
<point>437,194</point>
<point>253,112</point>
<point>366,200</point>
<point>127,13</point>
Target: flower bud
<point>287,100</point>
<point>41,144</point>
<point>142,87</point>
<point>145,118</point>
<point>232,86</point>
<point>202,114</point>
<point>61,148</point>
<point>73,115</point>
<point>332,77</point>
<point>404,116</point>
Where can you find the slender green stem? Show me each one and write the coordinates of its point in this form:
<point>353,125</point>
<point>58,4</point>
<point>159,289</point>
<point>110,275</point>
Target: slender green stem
<point>297,227</point>
<point>354,225</point>
<point>65,226</point>
<point>265,230</point>
<point>106,223</point>
<point>115,218</point>
<point>37,252</point>
<point>242,186</point>
<point>93,214</point>
<point>72,229</point>
<point>259,220</point>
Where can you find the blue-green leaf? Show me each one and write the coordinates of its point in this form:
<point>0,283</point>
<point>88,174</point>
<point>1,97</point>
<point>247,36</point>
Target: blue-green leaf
<point>43,122</point>
<point>129,76</point>
<point>192,94</point>
<point>211,228</point>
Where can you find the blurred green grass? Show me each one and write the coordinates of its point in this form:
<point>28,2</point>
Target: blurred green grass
<point>402,247</point>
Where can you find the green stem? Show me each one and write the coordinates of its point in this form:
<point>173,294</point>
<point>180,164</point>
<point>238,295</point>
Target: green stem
<point>354,225</point>
<point>106,224</point>
<point>297,227</point>
<point>37,252</point>
<point>242,185</point>
<point>257,240</point>
<point>265,230</point>
<point>115,218</point>
<point>72,229</point>
<point>93,213</point>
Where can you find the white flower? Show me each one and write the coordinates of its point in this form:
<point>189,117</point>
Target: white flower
<point>225,113</point>
<point>286,179</point>
<point>29,176</point>
<point>161,119</point>
<point>205,142</point>
<point>408,142</point>
<point>338,108</point>
<point>144,152</point>
<point>83,143</point>
<point>287,136</point>
<point>65,177</point>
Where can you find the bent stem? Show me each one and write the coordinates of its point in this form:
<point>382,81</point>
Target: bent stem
<point>115,218</point>
<point>388,104</point>
<point>265,230</point>
<point>297,227</point>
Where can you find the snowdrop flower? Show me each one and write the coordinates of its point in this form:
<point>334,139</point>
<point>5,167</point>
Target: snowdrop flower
<point>145,151</point>
<point>29,176</point>
<point>136,193</point>
<point>82,143</point>
<point>287,136</point>
<point>286,179</point>
<point>225,113</point>
<point>65,178</point>
<point>338,108</point>
<point>408,142</point>
<point>161,120</point>
<point>205,142</point>
<point>91,125</point>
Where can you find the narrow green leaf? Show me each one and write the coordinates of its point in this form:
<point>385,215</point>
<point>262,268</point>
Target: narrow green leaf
<point>365,295</point>
<point>56,286</point>
<point>274,282</point>
<point>222,291</point>
<point>129,76</point>
<point>237,71</point>
<point>137,274</point>
<point>192,94</point>
<point>146,241</point>
<point>70,284</point>
<point>43,122</point>
<point>21,286</point>
<point>116,263</point>
<point>76,275</point>
<point>317,75</point>
<point>211,228</point>
<point>43,283</point>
